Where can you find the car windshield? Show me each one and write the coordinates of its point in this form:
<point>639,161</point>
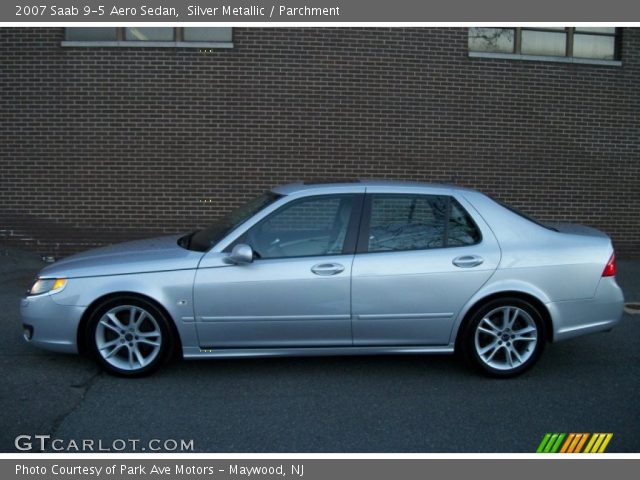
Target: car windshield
<point>203,240</point>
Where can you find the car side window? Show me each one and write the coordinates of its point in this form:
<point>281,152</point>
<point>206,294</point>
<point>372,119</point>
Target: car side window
<point>401,222</point>
<point>310,226</point>
<point>406,222</point>
<point>462,230</point>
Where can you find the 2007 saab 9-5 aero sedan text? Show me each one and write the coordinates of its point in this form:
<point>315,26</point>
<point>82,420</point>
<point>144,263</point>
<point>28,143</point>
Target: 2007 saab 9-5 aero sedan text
<point>365,267</point>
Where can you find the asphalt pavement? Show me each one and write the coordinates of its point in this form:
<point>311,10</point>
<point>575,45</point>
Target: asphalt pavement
<point>338,404</point>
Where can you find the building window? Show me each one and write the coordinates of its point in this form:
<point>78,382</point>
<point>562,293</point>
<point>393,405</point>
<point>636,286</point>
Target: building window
<point>150,34</point>
<point>209,37</point>
<point>568,43</point>
<point>92,34</point>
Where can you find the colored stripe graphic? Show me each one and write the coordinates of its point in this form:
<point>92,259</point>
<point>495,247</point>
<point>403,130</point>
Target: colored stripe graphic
<point>566,448</point>
<point>598,443</point>
<point>574,443</point>
<point>581,443</point>
<point>550,443</point>
<point>543,443</point>
<point>553,443</point>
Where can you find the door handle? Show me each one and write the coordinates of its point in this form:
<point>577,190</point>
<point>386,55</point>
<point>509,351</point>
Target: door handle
<point>326,269</point>
<point>467,261</point>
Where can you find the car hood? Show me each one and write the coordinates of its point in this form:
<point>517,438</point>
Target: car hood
<point>149,255</point>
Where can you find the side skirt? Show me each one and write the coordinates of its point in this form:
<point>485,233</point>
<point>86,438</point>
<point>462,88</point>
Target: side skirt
<point>194,353</point>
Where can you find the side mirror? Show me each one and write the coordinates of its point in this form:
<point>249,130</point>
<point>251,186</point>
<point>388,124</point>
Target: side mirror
<point>241,254</point>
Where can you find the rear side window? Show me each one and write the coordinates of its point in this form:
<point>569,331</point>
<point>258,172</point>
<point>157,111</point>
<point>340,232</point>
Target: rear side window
<point>462,230</point>
<point>418,222</point>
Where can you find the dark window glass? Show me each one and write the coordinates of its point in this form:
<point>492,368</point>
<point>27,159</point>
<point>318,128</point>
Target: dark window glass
<point>91,34</point>
<point>407,222</point>
<point>308,227</point>
<point>203,240</point>
<point>462,230</point>
<point>204,34</point>
<point>492,40</point>
<point>157,34</point>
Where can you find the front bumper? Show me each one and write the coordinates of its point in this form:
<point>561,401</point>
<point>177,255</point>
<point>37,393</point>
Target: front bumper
<point>580,317</point>
<point>51,326</point>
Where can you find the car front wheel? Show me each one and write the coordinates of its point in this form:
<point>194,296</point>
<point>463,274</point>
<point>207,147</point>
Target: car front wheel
<point>504,337</point>
<point>129,337</point>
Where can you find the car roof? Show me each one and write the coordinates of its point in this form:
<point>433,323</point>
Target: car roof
<point>328,186</point>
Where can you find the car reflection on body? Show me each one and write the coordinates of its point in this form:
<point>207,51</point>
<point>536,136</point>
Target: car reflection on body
<point>367,267</point>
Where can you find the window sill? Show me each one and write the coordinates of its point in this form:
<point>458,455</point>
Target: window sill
<point>147,44</point>
<point>544,58</point>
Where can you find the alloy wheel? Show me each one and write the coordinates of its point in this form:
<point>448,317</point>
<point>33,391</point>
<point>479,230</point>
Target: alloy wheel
<point>506,338</point>
<point>128,337</point>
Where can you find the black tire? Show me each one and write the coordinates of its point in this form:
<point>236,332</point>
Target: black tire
<point>154,321</point>
<point>505,340</point>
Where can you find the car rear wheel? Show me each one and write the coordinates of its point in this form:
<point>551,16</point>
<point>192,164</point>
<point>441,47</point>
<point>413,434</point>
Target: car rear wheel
<point>129,337</point>
<point>505,337</point>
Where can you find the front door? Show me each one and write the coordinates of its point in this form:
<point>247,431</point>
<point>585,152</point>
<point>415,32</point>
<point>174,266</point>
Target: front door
<point>296,292</point>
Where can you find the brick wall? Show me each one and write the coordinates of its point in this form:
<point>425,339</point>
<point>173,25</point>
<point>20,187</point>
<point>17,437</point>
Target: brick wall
<point>104,144</point>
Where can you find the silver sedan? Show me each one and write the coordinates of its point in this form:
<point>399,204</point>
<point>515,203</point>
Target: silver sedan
<point>366,267</point>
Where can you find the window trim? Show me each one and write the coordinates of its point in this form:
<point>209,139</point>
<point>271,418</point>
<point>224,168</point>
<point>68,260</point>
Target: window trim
<point>350,240</point>
<point>177,42</point>
<point>567,58</point>
<point>544,58</point>
<point>365,224</point>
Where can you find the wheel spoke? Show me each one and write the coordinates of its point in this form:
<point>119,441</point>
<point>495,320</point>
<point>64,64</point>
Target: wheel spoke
<point>149,342</point>
<point>148,334</point>
<point>112,316</point>
<point>495,350</point>
<point>106,324</point>
<point>488,332</point>
<point>523,339</point>
<point>512,320</point>
<point>525,330</point>
<point>110,344</point>
<point>489,347</point>
<point>516,354</point>
<point>140,319</point>
<point>509,357</point>
<point>130,357</point>
<point>491,324</point>
<point>114,351</point>
<point>506,313</point>
<point>132,316</point>
<point>139,356</point>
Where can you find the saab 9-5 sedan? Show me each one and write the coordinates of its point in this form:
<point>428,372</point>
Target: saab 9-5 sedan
<point>367,267</point>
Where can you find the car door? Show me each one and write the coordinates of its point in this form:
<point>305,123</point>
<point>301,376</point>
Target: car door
<point>297,291</point>
<point>420,258</point>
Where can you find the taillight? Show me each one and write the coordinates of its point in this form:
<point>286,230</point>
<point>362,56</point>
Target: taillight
<point>610,268</point>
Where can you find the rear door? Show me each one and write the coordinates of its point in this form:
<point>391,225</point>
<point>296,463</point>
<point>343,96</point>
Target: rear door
<point>419,260</point>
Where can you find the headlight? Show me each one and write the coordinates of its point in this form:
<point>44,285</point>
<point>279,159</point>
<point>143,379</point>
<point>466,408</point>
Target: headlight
<point>47,285</point>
